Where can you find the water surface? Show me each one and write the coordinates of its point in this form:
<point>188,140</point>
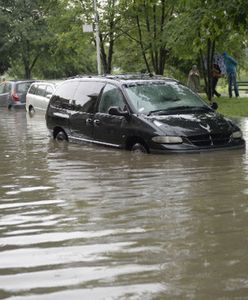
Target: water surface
<point>85,222</point>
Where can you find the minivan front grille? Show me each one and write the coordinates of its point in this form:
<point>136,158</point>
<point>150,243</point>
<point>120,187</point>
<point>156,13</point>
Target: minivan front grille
<point>208,140</point>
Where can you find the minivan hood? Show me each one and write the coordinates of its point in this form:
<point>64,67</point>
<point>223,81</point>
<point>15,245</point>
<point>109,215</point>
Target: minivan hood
<point>190,124</point>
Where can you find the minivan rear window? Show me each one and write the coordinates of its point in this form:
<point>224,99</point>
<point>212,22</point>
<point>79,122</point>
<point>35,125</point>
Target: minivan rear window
<point>22,87</point>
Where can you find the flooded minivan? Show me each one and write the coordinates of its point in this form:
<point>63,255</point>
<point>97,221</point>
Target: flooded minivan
<point>138,113</point>
<point>38,95</point>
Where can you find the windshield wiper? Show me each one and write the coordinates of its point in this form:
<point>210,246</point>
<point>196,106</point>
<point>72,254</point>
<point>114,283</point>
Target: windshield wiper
<point>183,107</point>
<point>186,107</point>
<point>179,108</point>
<point>156,111</point>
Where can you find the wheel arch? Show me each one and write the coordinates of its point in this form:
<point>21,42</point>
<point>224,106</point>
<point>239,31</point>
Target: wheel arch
<point>31,108</point>
<point>58,129</point>
<point>134,140</point>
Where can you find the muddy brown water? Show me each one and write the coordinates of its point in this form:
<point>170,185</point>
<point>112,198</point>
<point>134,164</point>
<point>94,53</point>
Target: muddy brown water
<point>85,222</point>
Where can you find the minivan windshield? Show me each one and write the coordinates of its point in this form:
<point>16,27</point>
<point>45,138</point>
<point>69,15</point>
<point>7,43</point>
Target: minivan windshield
<point>163,98</point>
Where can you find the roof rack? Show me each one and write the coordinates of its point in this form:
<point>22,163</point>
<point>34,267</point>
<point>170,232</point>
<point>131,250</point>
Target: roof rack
<point>127,76</point>
<point>81,76</point>
<point>134,76</point>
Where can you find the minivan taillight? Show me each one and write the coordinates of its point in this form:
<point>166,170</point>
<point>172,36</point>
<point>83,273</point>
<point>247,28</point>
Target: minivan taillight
<point>15,97</point>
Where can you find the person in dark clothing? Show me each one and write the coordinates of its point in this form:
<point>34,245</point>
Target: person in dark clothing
<point>216,74</point>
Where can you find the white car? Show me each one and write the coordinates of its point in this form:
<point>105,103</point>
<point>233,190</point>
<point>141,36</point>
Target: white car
<point>39,94</point>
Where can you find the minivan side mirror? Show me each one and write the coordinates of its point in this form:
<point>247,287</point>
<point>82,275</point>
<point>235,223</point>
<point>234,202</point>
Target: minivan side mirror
<point>93,96</point>
<point>214,106</point>
<point>116,111</point>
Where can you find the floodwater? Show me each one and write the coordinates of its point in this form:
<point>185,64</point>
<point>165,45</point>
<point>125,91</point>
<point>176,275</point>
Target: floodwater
<point>85,222</point>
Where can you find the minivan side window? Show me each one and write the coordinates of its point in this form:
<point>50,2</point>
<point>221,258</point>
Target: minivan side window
<point>67,89</point>
<point>64,94</point>
<point>1,88</point>
<point>86,95</point>
<point>7,88</point>
<point>41,90</point>
<point>111,96</point>
<point>49,90</point>
<point>32,89</point>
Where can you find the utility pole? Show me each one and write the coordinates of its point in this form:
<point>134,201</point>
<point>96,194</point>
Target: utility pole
<point>97,38</point>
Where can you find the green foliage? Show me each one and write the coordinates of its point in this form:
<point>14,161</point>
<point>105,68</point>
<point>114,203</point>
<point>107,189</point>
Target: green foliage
<point>4,54</point>
<point>44,38</point>
<point>71,51</point>
<point>203,27</point>
<point>27,37</point>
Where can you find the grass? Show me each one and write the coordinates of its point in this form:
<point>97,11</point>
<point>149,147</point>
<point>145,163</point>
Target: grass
<point>232,107</point>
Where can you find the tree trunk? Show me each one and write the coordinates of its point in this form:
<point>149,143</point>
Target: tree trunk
<point>107,53</point>
<point>158,51</point>
<point>103,55</point>
<point>207,66</point>
<point>142,45</point>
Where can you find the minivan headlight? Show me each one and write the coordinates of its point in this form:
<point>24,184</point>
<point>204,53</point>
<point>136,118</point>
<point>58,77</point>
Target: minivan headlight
<point>237,135</point>
<point>167,139</point>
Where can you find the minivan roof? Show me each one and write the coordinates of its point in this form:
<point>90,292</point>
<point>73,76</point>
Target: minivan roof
<point>19,80</point>
<point>55,81</point>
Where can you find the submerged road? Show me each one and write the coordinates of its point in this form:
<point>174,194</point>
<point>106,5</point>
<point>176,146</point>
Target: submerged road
<point>85,222</point>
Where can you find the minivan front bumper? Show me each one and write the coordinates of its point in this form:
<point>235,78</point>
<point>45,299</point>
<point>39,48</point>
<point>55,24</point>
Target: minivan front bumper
<point>190,148</point>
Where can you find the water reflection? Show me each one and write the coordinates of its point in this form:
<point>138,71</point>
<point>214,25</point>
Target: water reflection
<point>92,223</point>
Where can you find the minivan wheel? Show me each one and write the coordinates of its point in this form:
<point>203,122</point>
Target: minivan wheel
<point>31,110</point>
<point>61,136</point>
<point>139,148</point>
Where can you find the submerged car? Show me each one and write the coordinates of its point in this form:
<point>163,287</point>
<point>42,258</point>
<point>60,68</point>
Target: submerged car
<point>13,93</point>
<point>39,94</point>
<point>138,113</point>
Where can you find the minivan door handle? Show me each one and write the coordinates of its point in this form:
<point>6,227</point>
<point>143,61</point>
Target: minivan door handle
<point>89,121</point>
<point>97,122</point>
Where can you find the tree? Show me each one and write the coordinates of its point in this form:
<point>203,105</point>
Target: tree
<point>71,51</point>
<point>27,30</point>
<point>4,54</point>
<point>146,26</point>
<point>109,18</point>
<point>213,24</point>
<point>45,39</point>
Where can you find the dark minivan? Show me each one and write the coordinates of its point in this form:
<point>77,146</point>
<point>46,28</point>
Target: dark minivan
<point>138,113</point>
